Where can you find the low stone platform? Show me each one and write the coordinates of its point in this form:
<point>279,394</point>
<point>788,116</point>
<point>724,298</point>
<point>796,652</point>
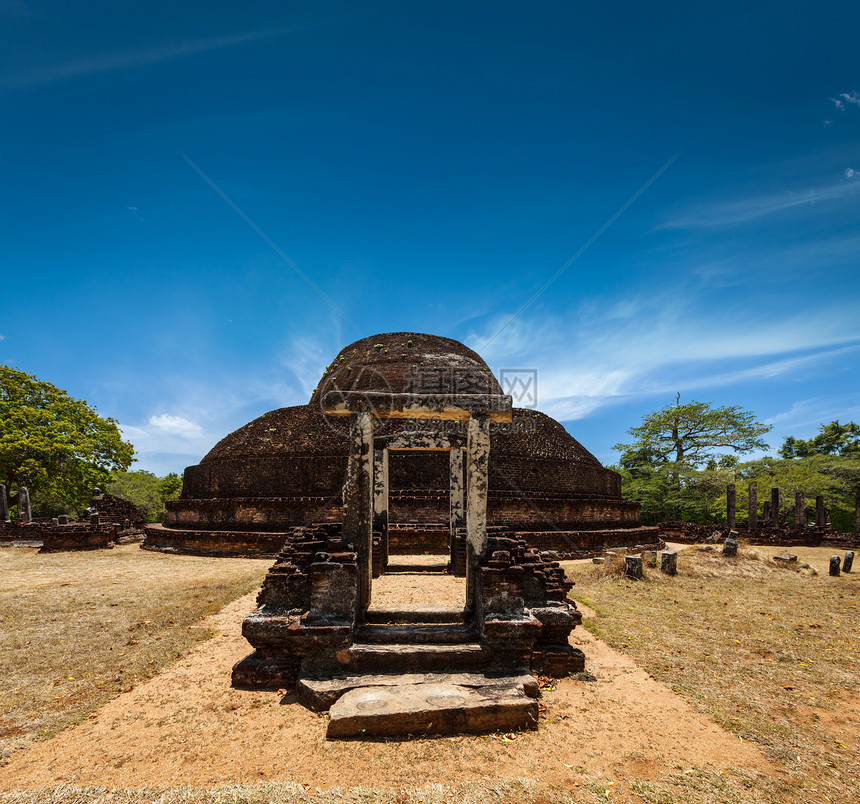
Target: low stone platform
<point>432,708</point>
<point>321,694</point>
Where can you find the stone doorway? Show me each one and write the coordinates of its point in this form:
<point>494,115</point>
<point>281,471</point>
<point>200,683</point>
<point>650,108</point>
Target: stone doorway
<point>419,503</point>
<point>407,450</point>
<point>428,668</point>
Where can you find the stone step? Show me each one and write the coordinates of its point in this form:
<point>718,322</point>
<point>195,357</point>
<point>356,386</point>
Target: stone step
<point>416,633</point>
<point>431,708</point>
<point>361,658</point>
<point>320,694</point>
<point>411,569</point>
<point>385,615</point>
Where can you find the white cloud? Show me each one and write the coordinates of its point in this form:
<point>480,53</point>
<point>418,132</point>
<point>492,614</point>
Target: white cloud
<point>175,425</point>
<point>851,97</point>
<point>840,105</point>
<point>851,174</point>
<point>2,337</point>
<point>591,358</point>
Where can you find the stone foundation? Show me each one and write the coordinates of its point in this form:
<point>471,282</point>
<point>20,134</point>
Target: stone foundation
<point>766,535</point>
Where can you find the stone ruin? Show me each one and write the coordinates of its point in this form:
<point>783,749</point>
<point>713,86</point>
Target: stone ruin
<point>287,468</point>
<point>781,525</point>
<point>430,669</point>
<point>108,521</point>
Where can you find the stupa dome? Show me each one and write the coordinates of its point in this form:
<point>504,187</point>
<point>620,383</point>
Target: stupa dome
<point>407,362</point>
<point>288,466</point>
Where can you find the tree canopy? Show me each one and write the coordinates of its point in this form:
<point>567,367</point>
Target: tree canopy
<point>692,487</point>
<point>55,445</point>
<point>693,434</point>
<point>146,491</point>
<point>834,439</point>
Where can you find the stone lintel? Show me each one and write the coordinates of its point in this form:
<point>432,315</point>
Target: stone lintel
<point>421,440</point>
<point>382,405</point>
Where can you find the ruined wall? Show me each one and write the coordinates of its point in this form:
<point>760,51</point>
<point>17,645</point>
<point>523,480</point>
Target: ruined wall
<point>690,533</point>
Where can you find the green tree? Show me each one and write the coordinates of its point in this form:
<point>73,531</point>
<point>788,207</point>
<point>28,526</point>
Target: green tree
<point>692,434</point>
<point>834,439</point>
<point>678,461</point>
<point>146,491</point>
<point>55,445</point>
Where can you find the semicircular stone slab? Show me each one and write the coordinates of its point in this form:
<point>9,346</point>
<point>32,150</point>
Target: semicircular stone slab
<point>392,711</point>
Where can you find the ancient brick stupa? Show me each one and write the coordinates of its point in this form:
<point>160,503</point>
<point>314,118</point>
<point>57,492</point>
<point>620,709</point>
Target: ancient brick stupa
<point>287,468</point>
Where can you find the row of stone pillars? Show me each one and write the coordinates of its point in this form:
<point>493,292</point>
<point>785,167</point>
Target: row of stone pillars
<point>365,495</point>
<point>771,509</point>
<point>26,515</point>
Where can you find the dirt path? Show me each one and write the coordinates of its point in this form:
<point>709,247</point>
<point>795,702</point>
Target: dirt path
<point>188,726</point>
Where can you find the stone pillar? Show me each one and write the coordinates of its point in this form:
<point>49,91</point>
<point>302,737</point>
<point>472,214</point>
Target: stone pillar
<point>649,558</point>
<point>774,507</point>
<point>799,510</point>
<point>752,521</point>
<point>731,505</point>
<point>834,565</point>
<point>857,511</point>
<point>765,512</point>
<point>456,486</point>
<point>669,562</point>
<point>633,567</point>
<point>730,547</point>
<point>4,505</point>
<point>24,505</point>
<point>358,500</point>
<point>848,561</point>
<point>477,476</point>
<point>820,513</point>
<point>380,498</point>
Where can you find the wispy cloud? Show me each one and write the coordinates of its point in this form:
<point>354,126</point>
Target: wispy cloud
<point>2,337</point>
<point>845,99</point>
<point>587,361</point>
<point>804,417</point>
<point>734,212</point>
<point>108,62</point>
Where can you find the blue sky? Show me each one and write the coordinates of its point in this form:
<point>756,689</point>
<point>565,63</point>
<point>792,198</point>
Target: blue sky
<point>430,167</point>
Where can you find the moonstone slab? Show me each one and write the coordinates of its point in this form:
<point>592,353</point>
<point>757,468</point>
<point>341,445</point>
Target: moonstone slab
<point>431,709</point>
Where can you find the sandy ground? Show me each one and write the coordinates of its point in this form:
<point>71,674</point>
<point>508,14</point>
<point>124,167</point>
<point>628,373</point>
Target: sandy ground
<point>188,726</point>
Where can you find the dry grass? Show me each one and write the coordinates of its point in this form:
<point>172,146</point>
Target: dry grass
<point>731,636</point>
<point>520,790</point>
<point>770,652</point>
<point>79,628</point>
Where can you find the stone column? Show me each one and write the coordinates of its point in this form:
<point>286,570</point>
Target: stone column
<point>835,563</point>
<point>799,510</point>
<point>730,547</point>
<point>477,476</point>
<point>380,498</point>
<point>669,562</point>
<point>358,500</point>
<point>820,514</point>
<point>633,567</point>
<point>24,505</point>
<point>752,521</point>
<point>774,507</point>
<point>4,505</point>
<point>456,488</point>
<point>857,511</point>
<point>731,506</point>
<point>848,561</point>
<point>765,512</point>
